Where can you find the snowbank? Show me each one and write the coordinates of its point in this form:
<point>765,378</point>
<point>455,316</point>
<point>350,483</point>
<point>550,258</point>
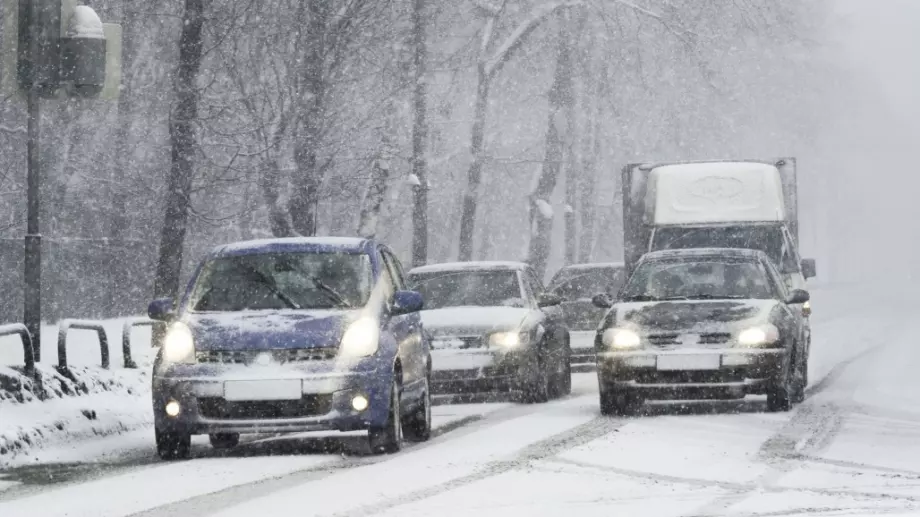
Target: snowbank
<point>83,401</point>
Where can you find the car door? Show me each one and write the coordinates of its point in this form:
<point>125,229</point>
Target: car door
<point>406,329</point>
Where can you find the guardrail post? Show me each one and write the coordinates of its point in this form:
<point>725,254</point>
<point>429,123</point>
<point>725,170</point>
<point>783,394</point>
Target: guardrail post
<point>66,325</point>
<point>126,337</point>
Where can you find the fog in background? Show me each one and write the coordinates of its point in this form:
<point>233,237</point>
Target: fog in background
<point>861,180</point>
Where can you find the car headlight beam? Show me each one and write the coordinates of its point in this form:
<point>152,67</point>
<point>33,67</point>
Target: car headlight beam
<point>621,339</point>
<point>361,339</point>
<point>505,340</point>
<point>758,336</point>
<point>179,344</point>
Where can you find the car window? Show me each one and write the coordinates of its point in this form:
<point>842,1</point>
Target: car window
<point>470,288</point>
<point>386,278</point>
<point>273,281</point>
<point>776,281</point>
<point>393,269</point>
<point>584,283</point>
<point>535,284</point>
<point>704,278</point>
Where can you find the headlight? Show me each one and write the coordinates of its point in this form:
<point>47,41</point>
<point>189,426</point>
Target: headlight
<point>178,344</point>
<point>361,339</point>
<point>757,336</point>
<point>506,339</point>
<point>621,339</point>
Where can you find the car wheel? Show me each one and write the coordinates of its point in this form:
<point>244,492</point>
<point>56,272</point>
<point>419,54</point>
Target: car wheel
<point>536,384</point>
<point>224,440</point>
<point>615,401</point>
<point>562,383</point>
<point>780,394</point>
<point>173,445</point>
<point>418,425</point>
<point>388,438</point>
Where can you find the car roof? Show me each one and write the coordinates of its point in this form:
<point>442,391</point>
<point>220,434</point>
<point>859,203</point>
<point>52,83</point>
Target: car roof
<point>471,266</point>
<point>741,253</point>
<point>593,265</point>
<point>295,245</point>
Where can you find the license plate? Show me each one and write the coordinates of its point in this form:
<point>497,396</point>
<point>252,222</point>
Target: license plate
<point>287,389</point>
<point>689,362</point>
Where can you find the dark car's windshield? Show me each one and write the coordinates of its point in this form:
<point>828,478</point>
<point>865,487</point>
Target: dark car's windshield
<point>468,288</point>
<point>710,278</point>
<point>273,281</point>
<point>583,283</point>
<point>768,239</point>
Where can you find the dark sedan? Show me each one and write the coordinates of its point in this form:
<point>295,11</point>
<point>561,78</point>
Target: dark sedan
<point>576,284</point>
<point>702,323</point>
<point>493,329</point>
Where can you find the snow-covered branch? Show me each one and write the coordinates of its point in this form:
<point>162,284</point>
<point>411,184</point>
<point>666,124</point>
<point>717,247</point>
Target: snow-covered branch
<point>516,39</point>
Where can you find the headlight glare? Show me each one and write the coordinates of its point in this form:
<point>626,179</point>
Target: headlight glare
<point>179,344</point>
<point>757,336</point>
<point>505,339</point>
<point>361,339</point>
<point>621,339</point>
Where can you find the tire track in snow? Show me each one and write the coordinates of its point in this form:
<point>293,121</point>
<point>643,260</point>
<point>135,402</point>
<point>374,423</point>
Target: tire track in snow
<point>541,450</point>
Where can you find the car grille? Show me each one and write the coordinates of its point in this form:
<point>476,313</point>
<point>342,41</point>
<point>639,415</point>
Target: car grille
<point>674,339</point>
<point>293,355</point>
<point>220,409</point>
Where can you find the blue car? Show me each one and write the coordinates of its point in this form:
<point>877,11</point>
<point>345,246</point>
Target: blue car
<point>292,335</point>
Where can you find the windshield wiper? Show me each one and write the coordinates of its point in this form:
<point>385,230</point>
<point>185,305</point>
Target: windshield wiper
<point>714,297</point>
<point>332,293</point>
<point>268,282</point>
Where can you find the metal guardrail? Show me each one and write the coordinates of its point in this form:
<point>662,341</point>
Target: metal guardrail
<point>66,325</point>
<point>28,350</point>
<point>126,337</point>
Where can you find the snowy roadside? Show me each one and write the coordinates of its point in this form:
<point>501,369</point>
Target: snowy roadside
<point>90,402</point>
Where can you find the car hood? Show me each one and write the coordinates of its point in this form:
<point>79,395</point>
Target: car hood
<point>697,315</point>
<point>460,321</point>
<point>264,330</point>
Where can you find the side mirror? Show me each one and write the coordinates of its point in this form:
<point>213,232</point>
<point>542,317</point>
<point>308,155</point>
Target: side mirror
<point>798,296</point>
<point>161,309</point>
<point>407,302</point>
<point>548,300</point>
<point>602,301</point>
<point>809,268</point>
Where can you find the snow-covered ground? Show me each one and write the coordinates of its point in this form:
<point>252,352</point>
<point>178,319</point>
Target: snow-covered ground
<point>852,449</point>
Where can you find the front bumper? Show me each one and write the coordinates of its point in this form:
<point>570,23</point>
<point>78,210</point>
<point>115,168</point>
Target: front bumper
<point>735,371</point>
<point>480,370</point>
<point>325,403</point>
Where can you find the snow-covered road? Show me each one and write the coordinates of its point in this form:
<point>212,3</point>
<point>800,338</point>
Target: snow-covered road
<point>853,448</point>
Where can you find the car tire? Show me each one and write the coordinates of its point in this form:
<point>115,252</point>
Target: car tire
<point>417,427</point>
<point>223,441</point>
<point>782,391</point>
<point>536,385</point>
<point>618,402</point>
<point>388,438</point>
<point>173,445</point>
<point>562,380</point>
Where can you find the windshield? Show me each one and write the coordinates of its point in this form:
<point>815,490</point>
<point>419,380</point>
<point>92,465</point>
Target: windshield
<point>768,239</point>
<point>468,288</point>
<point>581,283</point>
<point>274,281</point>
<point>710,278</point>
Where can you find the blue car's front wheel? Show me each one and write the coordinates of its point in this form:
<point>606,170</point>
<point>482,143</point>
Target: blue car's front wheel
<point>387,439</point>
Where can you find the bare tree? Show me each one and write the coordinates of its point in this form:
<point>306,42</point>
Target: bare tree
<point>183,144</point>
<point>420,135</point>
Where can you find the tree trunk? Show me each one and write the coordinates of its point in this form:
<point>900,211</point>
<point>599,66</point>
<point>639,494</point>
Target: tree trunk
<point>420,138</point>
<point>558,127</point>
<point>306,181</point>
<point>183,142</point>
<point>470,197</point>
<point>270,183</point>
<point>375,196</point>
<point>588,188</point>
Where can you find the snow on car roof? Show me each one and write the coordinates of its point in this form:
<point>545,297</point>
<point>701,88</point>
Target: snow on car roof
<point>703,252</point>
<point>353,244</point>
<point>595,265</point>
<point>466,266</point>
